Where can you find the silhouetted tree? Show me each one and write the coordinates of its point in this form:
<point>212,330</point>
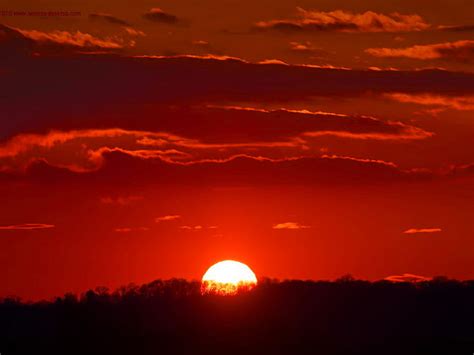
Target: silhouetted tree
<point>347,316</point>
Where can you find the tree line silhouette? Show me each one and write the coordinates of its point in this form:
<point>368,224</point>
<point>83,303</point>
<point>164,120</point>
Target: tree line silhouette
<point>345,316</point>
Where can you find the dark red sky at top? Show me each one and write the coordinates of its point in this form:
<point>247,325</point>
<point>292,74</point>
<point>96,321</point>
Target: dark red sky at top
<point>307,140</point>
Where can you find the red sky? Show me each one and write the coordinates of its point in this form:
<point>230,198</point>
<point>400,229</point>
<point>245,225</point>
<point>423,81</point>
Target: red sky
<point>308,140</point>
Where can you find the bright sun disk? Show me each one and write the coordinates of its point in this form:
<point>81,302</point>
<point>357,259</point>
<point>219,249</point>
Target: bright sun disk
<point>228,277</point>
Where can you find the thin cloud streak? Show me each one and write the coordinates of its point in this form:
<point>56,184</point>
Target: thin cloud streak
<point>28,226</point>
<point>131,229</point>
<point>422,230</point>
<point>192,228</point>
<point>461,103</point>
<point>167,218</point>
<point>458,51</point>
<point>290,225</point>
<point>77,39</point>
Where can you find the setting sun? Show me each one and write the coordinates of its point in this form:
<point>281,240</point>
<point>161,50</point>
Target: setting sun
<point>228,277</point>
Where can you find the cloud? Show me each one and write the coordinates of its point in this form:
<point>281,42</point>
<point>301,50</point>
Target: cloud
<point>344,21</point>
<point>456,28</point>
<point>457,51</point>
<point>167,218</point>
<point>88,146</point>
<point>197,228</point>
<point>290,225</point>
<point>422,230</point>
<point>360,160</point>
<point>20,43</point>
<point>300,47</point>
<point>131,229</point>
<point>77,39</point>
<point>121,200</point>
<point>196,132</point>
<point>201,43</point>
<point>462,103</point>
<point>164,82</point>
<point>108,18</point>
<point>134,32</point>
<point>221,133</point>
<point>192,228</point>
<point>158,15</point>
<point>27,226</point>
<point>307,48</point>
<point>120,169</point>
<point>407,278</point>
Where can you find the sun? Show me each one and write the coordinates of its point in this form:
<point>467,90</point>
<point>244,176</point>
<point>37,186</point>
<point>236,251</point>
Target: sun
<point>228,277</point>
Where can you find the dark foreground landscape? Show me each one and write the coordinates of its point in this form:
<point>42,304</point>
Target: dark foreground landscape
<point>291,317</point>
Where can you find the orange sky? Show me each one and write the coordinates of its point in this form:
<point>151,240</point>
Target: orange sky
<point>308,140</point>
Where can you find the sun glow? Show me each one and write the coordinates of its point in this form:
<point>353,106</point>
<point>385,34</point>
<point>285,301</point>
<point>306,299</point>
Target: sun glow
<point>228,277</point>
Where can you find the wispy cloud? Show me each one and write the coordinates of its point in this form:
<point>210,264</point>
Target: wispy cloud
<point>458,51</point>
<point>134,32</point>
<point>360,160</point>
<point>422,230</point>
<point>131,229</point>
<point>344,21</point>
<point>456,28</point>
<point>461,103</point>
<point>27,226</point>
<point>167,218</point>
<point>306,48</point>
<point>192,228</point>
<point>77,39</point>
<point>197,227</point>
<point>290,225</point>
